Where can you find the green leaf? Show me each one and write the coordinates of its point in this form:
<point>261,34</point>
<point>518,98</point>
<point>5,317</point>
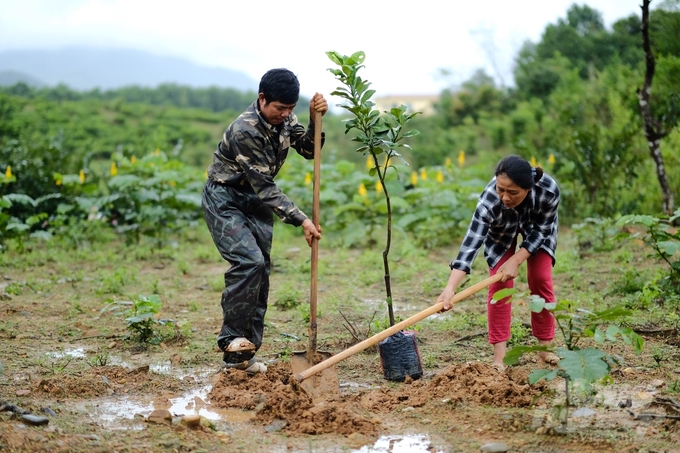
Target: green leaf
<point>514,354</point>
<point>611,332</point>
<point>17,225</point>
<point>599,335</point>
<point>586,364</point>
<point>503,293</point>
<point>21,199</point>
<point>334,57</point>
<point>669,247</point>
<point>358,57</point>
<point>536,304</point>
<point>50,196</point>
<point>42,234</point>
<point>612,313</point>
<point>123,181</point>
<point>139,318</point>
<point>537,375</point>
<point>366,96</point>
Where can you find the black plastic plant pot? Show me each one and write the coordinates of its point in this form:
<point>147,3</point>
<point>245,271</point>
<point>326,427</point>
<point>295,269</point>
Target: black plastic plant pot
<point>399,356</point>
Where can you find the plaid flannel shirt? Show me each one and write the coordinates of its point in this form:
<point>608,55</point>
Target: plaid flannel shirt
<point>495,226</point>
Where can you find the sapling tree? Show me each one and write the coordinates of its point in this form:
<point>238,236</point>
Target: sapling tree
<point>660,234</point>
<point>139,317</point>
<point>375,132</point>
<point>576,324</point>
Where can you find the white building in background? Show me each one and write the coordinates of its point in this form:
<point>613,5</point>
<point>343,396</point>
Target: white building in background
<point>415,103</point>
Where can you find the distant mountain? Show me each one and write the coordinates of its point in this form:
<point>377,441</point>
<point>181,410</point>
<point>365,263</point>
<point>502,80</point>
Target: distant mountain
<point>8,78</point>
<point>82,68</point>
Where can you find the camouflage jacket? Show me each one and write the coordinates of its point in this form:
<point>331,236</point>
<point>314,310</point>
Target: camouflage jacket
<point>252,152</point>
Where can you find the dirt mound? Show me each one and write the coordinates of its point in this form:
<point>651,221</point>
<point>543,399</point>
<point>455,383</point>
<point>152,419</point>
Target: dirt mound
<point>470,383</point>
<point>102,381</point>
<point>275,398</point>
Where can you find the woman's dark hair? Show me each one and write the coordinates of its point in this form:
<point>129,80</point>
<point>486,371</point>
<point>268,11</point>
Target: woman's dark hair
<point>519,171</point>
<point>280,85</point>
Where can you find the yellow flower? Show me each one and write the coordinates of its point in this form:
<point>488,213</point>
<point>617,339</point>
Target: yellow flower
<point>8,172</point>
<point>308,179</point>
<point>133,159</point>
<point>173,184</point>
<point>461,158</point>
<point>551,159</point>
<point>414,178</point>
<point>369,162</point>
<point>378,187</point>
<point>423,174</point>
<point>362,189</point>
<point>206,174</point>
<point>440,177</point>
<point>58,182</point>
<point>158,151</point>
<point>81,176</point>
<point>447,162</point>
<point>114,169</point>
<point>533,161</point>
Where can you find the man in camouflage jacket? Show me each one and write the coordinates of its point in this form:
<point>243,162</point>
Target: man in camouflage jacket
<point>239,200</point>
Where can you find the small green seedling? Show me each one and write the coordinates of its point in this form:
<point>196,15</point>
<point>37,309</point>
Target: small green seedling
<point>576,365</point>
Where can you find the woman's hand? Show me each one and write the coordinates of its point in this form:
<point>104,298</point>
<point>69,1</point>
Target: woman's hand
<point>311,231</point>
<point>511,267</point>
<point>445,298</point>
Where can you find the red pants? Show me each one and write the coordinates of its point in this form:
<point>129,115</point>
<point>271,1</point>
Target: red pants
<point>539,276</point>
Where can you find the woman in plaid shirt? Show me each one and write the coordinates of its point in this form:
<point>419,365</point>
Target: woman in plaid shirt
<point>520,199</point>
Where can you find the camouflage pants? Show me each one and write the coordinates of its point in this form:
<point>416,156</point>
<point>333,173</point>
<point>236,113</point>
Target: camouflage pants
<point>242,229</point>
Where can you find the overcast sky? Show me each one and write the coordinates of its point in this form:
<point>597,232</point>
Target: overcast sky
<point>407,44</point>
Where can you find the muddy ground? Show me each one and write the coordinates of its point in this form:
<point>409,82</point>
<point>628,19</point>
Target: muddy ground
<point>92,387</point>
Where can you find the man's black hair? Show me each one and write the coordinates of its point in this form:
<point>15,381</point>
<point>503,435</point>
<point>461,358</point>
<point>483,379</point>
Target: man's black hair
<point>280,85</point>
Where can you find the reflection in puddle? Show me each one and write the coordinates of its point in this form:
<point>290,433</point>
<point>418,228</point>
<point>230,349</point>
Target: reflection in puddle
<point>76,353</point>
<point>400,444</point>
<point>163,367</point>
<point>117,413</point>
<point>376,304</point>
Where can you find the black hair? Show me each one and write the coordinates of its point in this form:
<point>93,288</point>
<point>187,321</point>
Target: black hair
<point>519,171</point>
<point>280,85</point>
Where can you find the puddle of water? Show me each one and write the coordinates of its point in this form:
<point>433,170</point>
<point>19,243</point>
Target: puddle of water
<point>164,367</point>
<point>400,444</point>
<point>117,413</point>
<point>376,304</point>
<point>356,385</point>
<point>76,353</point>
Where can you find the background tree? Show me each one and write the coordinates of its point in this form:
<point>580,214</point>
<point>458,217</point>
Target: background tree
<point>653,128</point>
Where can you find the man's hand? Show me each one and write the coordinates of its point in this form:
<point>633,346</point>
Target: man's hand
<point>311,231</point>
<point>317,104</point>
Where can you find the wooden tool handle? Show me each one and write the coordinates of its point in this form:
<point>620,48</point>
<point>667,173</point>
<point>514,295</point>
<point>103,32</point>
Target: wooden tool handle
<point>395,328</point>
<point>315,243</point>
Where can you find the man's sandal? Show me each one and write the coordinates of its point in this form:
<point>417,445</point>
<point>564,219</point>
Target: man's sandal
<point>240,344</point>
<point>252,366</point>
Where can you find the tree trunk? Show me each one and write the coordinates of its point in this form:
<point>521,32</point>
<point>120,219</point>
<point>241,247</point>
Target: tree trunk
<point>653,129</point>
